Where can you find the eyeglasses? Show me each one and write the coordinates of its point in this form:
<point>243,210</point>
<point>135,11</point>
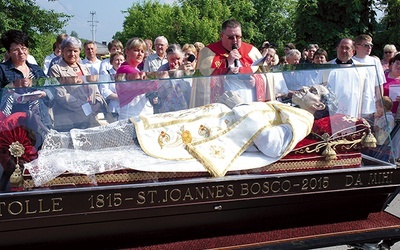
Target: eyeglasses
<point>233,37</point>
<point>16,50</point>
<point>367,45</point>
<point>389,52</point>
<point>159,45</point>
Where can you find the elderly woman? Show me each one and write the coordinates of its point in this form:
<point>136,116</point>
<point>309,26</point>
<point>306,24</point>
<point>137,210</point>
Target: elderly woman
<point>389,51</point>
<point>174,94</point>
<point>76,104</point>
<point>293,57</point>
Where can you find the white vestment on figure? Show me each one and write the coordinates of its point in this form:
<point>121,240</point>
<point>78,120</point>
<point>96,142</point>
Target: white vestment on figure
<point>210,138</point>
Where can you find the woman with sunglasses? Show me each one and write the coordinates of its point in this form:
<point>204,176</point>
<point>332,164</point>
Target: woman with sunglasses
<point>389,51</point>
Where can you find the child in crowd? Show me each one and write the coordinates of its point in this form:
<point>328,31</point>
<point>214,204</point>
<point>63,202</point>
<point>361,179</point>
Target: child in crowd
<point>384,123</point>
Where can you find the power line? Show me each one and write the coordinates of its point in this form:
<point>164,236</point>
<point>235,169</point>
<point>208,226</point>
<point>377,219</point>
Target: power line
<point>78,18</point>
<point>93,25</point>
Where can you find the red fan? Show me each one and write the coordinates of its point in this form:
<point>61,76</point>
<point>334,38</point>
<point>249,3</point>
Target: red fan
<point>16,141</point>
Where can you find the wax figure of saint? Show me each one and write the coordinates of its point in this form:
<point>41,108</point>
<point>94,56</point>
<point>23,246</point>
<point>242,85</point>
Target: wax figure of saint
<point>232,57</point>
<point>216,138</point>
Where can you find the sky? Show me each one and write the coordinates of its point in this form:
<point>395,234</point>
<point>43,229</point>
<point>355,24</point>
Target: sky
<point>107,20</point>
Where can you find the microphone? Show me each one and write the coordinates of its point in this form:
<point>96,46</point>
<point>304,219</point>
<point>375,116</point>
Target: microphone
<point>236,62</point>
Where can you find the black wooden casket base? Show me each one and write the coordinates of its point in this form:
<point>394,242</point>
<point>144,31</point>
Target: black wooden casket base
<point>146,214</point>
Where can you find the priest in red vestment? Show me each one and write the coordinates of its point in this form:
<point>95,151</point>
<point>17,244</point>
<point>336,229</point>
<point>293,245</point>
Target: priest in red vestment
<point>232,57</point>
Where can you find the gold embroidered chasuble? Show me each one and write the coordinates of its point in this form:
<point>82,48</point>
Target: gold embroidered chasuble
<point>216,135</point>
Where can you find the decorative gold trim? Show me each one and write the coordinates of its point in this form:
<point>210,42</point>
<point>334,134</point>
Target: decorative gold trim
<point>310,165</point>
<point>131,176</point>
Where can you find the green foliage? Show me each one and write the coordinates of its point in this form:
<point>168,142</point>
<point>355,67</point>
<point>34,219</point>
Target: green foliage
<point>37,23</point>
<point>189,21</point>
<point>202,20</point>
<point>388,29</point>
<point>147,20</point>
<point>274,22</point>
<point>325,22</point>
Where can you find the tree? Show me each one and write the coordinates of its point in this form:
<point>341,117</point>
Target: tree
<point>202,20</point>
<point>190,21</point>
<point>274,21</point>
<point>25,15</point>
<point>388,29</point>
<point>325,22</point>
<point>147,20</point>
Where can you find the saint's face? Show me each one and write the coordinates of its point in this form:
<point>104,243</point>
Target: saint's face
<point>309,98</point>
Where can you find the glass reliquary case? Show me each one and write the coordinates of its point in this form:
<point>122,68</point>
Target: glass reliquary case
<point>128,142</point>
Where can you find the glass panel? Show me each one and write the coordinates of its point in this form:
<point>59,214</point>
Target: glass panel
<point>173,125</point>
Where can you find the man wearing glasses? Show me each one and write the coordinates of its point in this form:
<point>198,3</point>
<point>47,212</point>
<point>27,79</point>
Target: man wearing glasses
<point>155,60</point>
<point>376,77</point>
<point>230,52</point>
<point>231,56</point>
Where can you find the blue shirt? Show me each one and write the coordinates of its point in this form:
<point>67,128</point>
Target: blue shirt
<point>8,72</point>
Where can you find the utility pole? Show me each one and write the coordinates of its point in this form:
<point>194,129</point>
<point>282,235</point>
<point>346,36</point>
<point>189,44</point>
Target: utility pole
<point>93,25</point>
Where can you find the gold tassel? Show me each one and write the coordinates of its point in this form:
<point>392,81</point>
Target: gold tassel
<point>329,153</point>
<point>369,141</point>
<point>16,179</point>
<point>17,150</point>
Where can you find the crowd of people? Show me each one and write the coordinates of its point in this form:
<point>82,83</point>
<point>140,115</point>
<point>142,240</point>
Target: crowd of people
<point>77,105</point>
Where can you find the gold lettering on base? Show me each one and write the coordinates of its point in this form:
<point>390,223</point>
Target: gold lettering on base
<point>57,205</point>
<point>380,178</point>
<point>30,207</point>
<point>353,180</point>
<point>17,209</point>
<point>41,210</point>
<point>27,208</point>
